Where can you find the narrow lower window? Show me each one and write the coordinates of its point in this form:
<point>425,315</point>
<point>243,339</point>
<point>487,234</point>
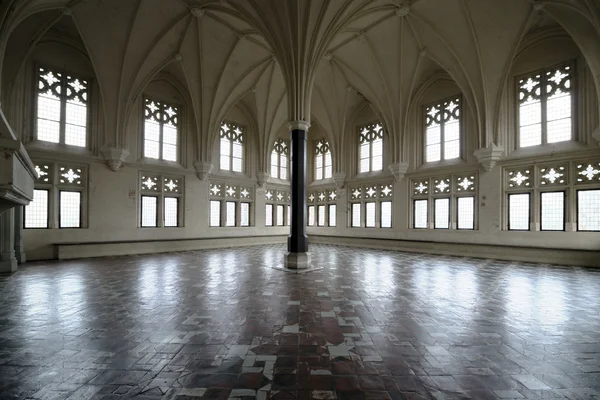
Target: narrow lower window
<point>171,211</point>
<point>230,215</point>
<point>70,210</point>
<point>386,214</point>
<point>280,216</point>
<point>356,215</point>
<point>245,214</point>
<point>321,215</point>
<point>149,211</point>
<point>311,215</point>
<point>441,214</point>
<point>465,207</point>
<point>215,213</point>
<point>420,214</point>
<point>588,210</point>
<point>552,209</point>
<point>332,216</point>
<point>370,215</point>
<point>36,212</point>
<point>518,212</point>
<point>269,215</point>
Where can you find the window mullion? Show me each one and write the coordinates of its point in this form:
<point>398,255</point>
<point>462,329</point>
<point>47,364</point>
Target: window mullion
<point>63,110</point>
<point>544,102</point>
<point>442,139</point>
<point>160,133</point>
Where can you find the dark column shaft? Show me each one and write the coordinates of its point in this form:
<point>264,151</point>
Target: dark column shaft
<point>298,240</point>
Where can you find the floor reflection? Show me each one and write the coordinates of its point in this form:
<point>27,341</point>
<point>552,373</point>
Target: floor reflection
<point>370,324</point>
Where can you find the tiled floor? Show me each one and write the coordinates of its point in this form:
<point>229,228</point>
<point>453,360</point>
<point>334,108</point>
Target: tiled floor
<point>370,325</point>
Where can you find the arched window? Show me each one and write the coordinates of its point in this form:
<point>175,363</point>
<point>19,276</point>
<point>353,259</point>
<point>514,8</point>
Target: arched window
<point>279,159</point>
<point>371,148</point>
<point>160,130</point>
<point>442,130</point>
<point>62,108</point>
<point>232,150</point>
<point>323,168</point>
<point>545,106</point>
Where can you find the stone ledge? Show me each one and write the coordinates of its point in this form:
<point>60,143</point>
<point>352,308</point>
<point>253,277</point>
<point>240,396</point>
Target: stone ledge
<point>571,257</point>
<point>73,250</point>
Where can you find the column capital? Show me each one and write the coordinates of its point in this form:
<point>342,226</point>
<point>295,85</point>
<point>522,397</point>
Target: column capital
<point>399,170</point>
<point>340,179</point>
<point>115,157</point>
<point>299,125</point>
<point>203,169</point>
<point>261,179</point>
<point>489,155</point>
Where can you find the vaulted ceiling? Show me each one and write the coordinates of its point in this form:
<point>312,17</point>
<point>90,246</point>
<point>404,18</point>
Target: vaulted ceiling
<point>285,60</point>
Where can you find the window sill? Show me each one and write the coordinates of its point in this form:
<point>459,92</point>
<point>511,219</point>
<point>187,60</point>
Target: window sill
<point>548,149</point>
<point>442,164</point>
<point>372,174</point>
<point>160,163</point>
<point>240,176</point>
<point>41,146</point>
<point>277,181</point>
<point>322,182</point>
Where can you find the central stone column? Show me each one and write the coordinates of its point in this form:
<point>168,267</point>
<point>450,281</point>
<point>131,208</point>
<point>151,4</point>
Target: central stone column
<point>297,256</point>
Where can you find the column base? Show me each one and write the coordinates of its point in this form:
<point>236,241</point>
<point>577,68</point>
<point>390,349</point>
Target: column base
<point>8,266</point>
<point>297,260</point>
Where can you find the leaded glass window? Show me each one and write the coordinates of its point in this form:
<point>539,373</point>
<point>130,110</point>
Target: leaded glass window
<point>546,106</point>
<point>323,167</point>
<point>36,212</point>
<point>279,159</point>
<point>552,210</point>
<point>442,122</point>
<point>588,210</point>
<point>232,147</point>
<point>234,204</point>
<point>160,130</point>
<point>62,108</point>
<point>160,200</point>
<point>371,148</point>
<point>518,211</point>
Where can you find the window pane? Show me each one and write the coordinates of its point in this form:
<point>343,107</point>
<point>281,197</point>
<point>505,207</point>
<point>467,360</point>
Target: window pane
<point>386,214</point>
<point>230,217</point>
<point>451,150</point>
<point>245,214</point>
<point>225,147</point>
<point>365,150</point>
<point>171,211</point>
<point>274,164</point>
<point>530,135</point>
<point>420,214</point>
<point>377,163</point>
<point>332,214</point>
<point>289,216</point>
<point>321,215</point>
<point>169,135</point>
<point>70,209</point>
<point>319,173</point>
<point>378,148</point>
<point>76,114</point>
<point>319,161</point>
<point>269,215</point>
<point>149,210</point>
<point>451,131</point>
<point>370,215</point>
<point>151,137</point>
<point>280,216</point>
<point>434,135</point>
<point>433,153</point>
<point>559,130</point>
<point>215,213</point>
<point>48,131</point>
<point>48,108</point>
<point>328,159</point>
<point>356,215</point>
<point>518,212</point>
<point>237,165</point>
<point>364,165</point>
<point>466,212</point>
<point>328,172</point>
<point>530,114</point>
<point>442,213</point>
<point>169,152</point>
<point>559,107</point>
<point>224,163</point>
<point>75,135</point>
<point>588,210</point>
<point>36,212</point>
<point>283,167</point>
<point>553,211</point>
<point>311,215</point>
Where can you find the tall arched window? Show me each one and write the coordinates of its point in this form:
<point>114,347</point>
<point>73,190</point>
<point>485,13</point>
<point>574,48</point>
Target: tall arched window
<point>62,111</point>
<point>232,147</point>
<point>279,159</point>
<point>371,148</point>
<point>323,168</point>
<point>160,130</point>
<point>545,106</point>
<point>442,122</point>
